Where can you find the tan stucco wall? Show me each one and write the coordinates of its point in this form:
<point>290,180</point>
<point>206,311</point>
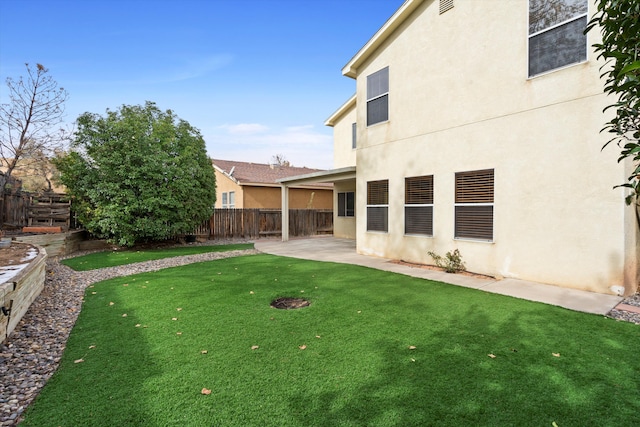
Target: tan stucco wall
<point>470,106</point>
<point>343,227</point>
<point>224,184</point>
<point>270,198</point>
<point>343,153</point>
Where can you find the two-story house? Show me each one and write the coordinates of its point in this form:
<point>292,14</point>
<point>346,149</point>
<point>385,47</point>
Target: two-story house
<point>476,126</point>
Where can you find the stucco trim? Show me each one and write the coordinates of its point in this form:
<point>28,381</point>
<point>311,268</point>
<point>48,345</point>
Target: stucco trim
<point>407,8</point>
<point>344,108</point>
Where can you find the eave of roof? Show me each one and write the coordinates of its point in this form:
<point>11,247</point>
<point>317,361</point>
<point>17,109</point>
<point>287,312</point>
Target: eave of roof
<point>351,68</point>
<point>351,102</point>
<point>332,175</point>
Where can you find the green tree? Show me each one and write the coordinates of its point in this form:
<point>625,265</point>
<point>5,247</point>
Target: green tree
<point>619,23</point>
<point>138,174</point>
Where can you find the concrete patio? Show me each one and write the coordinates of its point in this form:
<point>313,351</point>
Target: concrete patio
<point>331,249</point>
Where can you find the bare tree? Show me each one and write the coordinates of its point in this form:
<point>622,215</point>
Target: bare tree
<point>279,160</point>
<point>30,122</point>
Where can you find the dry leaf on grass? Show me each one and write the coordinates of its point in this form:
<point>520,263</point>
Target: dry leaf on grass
<point>174,318</point>
<point>179,309</point>
<point>302,347</point>
<point>556,354</point>
<point>317,336</point>
<point>204,352</point>
<point>138,325</point>
<point>111,303</point>
<point>78,361</point>
<point>178,333</point>
<point>412,347</point>
<point>255,347</point>
<point>124,315</point>
<point>205,391</point>
<point>251,292</point>
<point>491,355</point>
<point>92,346</point>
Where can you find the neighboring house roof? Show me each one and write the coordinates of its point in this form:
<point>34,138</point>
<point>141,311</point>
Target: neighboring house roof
<point>262,174</point>
<point>407,8</point>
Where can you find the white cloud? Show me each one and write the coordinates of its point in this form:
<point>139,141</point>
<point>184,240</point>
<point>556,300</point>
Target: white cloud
<point>300,145</point>
<point>245,128</point>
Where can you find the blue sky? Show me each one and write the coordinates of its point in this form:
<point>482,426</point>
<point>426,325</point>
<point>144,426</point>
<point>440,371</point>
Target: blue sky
<point>257,77</point>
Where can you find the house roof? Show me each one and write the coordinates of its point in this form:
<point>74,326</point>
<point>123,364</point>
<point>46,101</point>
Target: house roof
<point>262,174</point>
<point>401,15</point>
<point>351,103</point>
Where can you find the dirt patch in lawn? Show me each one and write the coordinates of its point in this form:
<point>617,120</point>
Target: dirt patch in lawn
<point>289,303</point>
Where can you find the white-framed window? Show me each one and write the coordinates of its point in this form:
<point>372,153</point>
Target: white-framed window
<point>232,199</point>
<point>225,201</point>
<point>474,205</point>
<point>378,97</point>
<point>378,205</point>
<point>556,34</point>
<point>418,205</point>
<point>347,204</point>
<point>354,133</point>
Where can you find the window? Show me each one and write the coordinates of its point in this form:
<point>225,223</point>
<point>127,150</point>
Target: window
<point>378,97</point>
<point>556,34</point>
<point>232,199</point>
<point>224,200</point>
<point>354,132</point>
<point>377,205</point>
<point>418,205</point>
<point>346,204</point>
<point>474,205</point>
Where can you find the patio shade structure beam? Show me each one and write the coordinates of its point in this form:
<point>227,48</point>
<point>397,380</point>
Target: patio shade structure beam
<point>332,176</point>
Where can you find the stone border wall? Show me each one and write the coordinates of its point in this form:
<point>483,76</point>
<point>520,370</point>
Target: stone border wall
<point>20,291</point>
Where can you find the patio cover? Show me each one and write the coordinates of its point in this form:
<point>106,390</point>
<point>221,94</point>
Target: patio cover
<point>333,175</point>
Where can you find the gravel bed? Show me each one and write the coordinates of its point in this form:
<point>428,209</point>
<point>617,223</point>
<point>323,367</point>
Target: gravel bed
<point>33,351</point>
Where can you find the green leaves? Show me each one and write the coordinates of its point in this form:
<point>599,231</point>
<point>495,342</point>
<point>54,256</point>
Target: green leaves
<point>138,174</point>
<point>619,23</point>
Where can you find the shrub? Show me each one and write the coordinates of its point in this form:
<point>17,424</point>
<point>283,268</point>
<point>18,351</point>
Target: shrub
<point>451,262</point>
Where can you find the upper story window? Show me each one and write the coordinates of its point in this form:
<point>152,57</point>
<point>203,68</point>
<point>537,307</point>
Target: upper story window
<point>354,133</point>
<point>378,97</point>
<point>556,34</point>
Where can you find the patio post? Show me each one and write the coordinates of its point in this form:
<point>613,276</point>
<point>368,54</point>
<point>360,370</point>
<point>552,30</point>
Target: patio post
<point>285,212</point>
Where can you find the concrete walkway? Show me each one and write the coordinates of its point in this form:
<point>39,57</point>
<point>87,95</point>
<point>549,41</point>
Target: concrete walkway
<point>344,251</point>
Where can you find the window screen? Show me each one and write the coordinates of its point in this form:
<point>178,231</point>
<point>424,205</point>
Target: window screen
<point>418,209</point>
<point>474,193</point>
<point>556,34</point>
<point>378,97</point>
<point>378,205</point>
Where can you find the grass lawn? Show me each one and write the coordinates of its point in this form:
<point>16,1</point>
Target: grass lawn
<point>115,258</point>
<point>373,349</point>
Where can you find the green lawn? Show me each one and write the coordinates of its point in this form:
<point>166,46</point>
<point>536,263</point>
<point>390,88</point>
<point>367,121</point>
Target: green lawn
<point>116,258</point>
<point>381,350</point>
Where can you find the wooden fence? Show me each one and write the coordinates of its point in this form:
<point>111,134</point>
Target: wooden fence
<point>20,209</point>
<point>256,223</point>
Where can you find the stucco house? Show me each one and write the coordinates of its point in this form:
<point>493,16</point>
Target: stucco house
<point>476,126</point>
<point>254,185</point>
